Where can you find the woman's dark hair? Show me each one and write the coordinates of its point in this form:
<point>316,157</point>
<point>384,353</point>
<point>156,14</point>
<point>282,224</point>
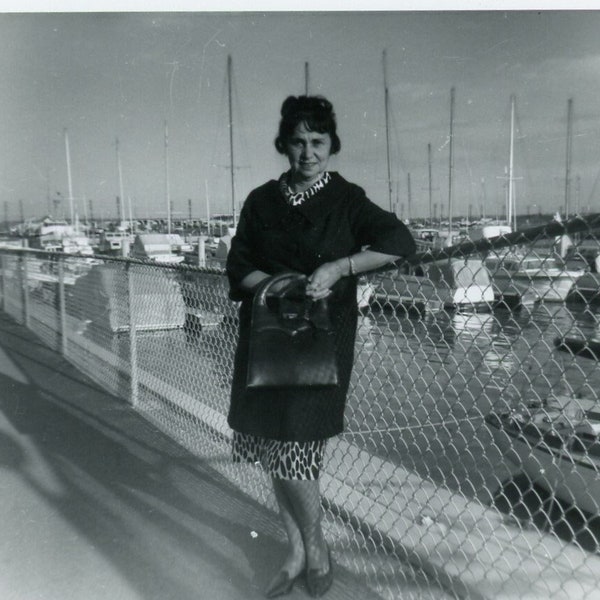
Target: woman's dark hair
<point>316,112</point>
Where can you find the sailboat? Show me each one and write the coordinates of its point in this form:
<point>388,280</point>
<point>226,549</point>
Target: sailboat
<point>520,277</point>
<point>66,237</point>
<point>451,283</point>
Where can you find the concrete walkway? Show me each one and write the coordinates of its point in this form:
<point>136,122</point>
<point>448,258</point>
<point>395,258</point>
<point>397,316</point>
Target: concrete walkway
<point>99,504</point>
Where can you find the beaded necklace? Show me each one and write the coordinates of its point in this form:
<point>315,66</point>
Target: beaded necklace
<point>297,199</point>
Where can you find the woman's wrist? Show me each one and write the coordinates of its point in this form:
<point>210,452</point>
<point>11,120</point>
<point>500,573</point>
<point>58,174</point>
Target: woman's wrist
<point>346,266</point>
<point>339,267</point>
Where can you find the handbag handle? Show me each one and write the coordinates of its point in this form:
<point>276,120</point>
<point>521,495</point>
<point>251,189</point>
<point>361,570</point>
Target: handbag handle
<point>291,278</point>
<point>309,318</point>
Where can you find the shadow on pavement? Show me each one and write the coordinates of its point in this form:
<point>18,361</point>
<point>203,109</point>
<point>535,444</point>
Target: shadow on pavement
<point>171,527</point>
<point>163,520</point>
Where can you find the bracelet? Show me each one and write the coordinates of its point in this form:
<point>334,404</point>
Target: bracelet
<point>351,267</point>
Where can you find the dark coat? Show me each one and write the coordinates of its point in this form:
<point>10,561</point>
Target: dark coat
<point>273,237</point>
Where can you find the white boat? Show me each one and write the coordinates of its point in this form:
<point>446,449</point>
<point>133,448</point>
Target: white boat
<point>46,234</point>
<point>530,277</point>
<point>178,244</point>
<point>520,277</point>
<point>100,300</point>
<point>58,236</point>
<point>462,284</point>
<point>111,242</point>
<point>557,445</point>
<point>425,234</point>
<point>155,247</point>
<point>586,253</point>
<point>74,242</point>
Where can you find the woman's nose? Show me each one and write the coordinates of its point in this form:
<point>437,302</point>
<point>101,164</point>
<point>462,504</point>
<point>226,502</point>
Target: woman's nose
<point>306,151</point>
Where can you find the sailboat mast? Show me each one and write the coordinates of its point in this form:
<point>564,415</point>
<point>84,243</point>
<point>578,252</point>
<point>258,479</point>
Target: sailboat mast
<point>306,78</point>
<point>85,212</point>
<point>208,229</point>
<point>120,174</point>
<point>483,211</point>
<point>387,129</point>
<point>131,228</point>
<point>409,215</point>
<point>568,158</point>
<point>48,200</point>
<point>229,71</point>
<point>430,184</point>
<point>167,189</point>
<point>450,164</point>
<point>69,181</point>
<point>511,208</point>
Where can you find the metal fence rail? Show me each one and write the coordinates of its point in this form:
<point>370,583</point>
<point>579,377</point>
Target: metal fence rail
<point>469,465</point>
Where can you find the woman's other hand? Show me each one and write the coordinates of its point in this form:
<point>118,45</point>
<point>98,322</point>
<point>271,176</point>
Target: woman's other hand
<point>322,280</point>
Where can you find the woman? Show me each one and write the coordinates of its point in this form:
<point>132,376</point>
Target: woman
<point>314,222</point>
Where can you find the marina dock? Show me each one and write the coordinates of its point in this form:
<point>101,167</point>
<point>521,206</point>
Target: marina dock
<point>467,464</point>
<point>99,504</point>
<point>420,499</point>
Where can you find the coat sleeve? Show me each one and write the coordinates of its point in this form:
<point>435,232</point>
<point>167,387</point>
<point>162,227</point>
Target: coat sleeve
<point>380,229</point>
<point>240,259</point>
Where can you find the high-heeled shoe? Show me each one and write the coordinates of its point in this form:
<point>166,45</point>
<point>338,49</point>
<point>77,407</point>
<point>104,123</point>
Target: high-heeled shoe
<point>281,585</point>
<point>318,581</point>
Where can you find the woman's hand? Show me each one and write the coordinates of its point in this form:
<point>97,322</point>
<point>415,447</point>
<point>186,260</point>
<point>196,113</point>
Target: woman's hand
<point>322,280</point>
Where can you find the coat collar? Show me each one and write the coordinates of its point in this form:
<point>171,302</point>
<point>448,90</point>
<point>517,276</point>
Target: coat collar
<point>312,209</point>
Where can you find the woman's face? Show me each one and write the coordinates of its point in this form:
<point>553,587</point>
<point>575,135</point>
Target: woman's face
<point>308,153</point>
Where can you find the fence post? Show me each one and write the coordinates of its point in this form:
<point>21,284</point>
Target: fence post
<point>133,367</point>
<point>202,251</point>
<point>62,312</point>
<point>25,289</point>
<point>3,281</point>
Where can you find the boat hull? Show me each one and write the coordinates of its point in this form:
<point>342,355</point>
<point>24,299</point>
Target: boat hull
<point>530,277</point>
<point>586,289</point>
<point>571,476</point>
<point>578,346</point>
<point>545,288</point>
<point>454,284</point>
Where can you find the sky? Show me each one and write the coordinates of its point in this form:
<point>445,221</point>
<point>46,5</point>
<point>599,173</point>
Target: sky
<point>158,82</point>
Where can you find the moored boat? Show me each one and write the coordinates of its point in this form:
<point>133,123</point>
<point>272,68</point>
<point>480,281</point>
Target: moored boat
<point>112,242</point>
<point>586,289</point>
<point>75,243</point>
<point>586,252</point>
<point>557,445</point>
<point>155,247</point>
<point>461,284</point>
<point>54,235</point>
<point>579,346</point>
<point>530,277</point>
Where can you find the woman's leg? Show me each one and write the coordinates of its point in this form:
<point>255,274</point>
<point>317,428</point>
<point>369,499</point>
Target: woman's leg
<point>304,502</point>
<point>295,560</point>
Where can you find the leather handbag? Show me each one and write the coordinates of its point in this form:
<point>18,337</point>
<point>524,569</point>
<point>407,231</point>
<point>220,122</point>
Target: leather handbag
<point>291,337</point>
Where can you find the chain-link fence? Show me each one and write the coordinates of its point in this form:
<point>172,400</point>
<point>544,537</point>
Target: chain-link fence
<point>470,463</point>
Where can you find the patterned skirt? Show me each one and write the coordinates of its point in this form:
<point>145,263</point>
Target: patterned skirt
<point>280,459</point>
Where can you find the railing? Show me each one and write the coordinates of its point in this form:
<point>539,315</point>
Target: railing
<point>469,465</point>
